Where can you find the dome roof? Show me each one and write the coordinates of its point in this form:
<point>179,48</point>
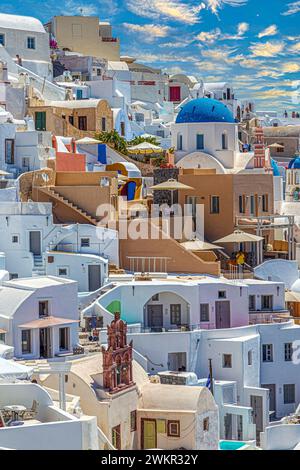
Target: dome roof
<point>295,163</point>
<point>204,110</point>
<point>274,165</point>
<point>25,23</point>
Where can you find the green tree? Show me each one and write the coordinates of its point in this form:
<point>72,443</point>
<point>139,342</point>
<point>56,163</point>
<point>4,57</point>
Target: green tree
<point>139,140</point>
<point>114,139</point>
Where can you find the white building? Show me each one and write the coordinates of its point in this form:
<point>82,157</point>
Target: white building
<point>33,245</point>
<point>39,316</point>
<point>26,37</point>
<point>47,428</point>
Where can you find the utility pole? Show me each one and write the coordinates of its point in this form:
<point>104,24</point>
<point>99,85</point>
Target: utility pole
<point>211,377</point>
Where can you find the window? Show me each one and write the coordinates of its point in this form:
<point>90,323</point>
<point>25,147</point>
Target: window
<point>155,298</point>
<point>224,141</point>
<point>116,437</point>
<point>179,142</point>
<point>71,120</point>
<point>222,294</point>
<point>133,421</point>
<point>267,350</point>
<point>64,339</point>
<point>103,124</point>
<point>82,123</point>
<point>13,276</point>
<point>206,424</point>
<point>26,341</point>
<point>25,163</point>
<point>15,239</point>
<point>85,242</point>
<point>250,358</point>
<point>63,271</point>
<point>252,205</point>
<point>267,302</point>
<point>2,338</point>
<point>173,428</point>
<point>98,72</point>
<point>79,94</point>
<point>2,39</point>
<point>200,141</point>
<point>161,425</point>
<point>9,151</point>
<point>30,43</point>
<point>227,361</point>
<point>76,30</point>
<point>175,310</point>
<point>252,302</point>
<point>40,120</point>
<point>265,203</point>
<point>43,308</point>
<point>280,149</point>
<point>242,204</point>
<point>204,312</point>
<point>289,394</point>
<point>288,351</point>
<point>214,204</point>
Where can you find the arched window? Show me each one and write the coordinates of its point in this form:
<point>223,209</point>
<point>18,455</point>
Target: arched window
<point>224,141</point>
<point>179,142</point>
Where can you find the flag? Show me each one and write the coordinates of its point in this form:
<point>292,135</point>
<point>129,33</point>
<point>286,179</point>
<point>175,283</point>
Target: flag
<point>208,383</point>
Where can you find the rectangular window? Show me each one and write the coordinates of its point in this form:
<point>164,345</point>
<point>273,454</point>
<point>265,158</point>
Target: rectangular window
<point>173,428</point>
<point>175,310</point>
<point>2,39</point>
<point>62,271</point>
<point>116,437</point>
<point>206,424</point>
<point>13,276</point>
<point>26,341</point>
<point>71,120</point>
<point>43,308</point>
<point>242,205</point>
<point>133,421</point>
<point>252,302</point>
<point>204,312</point>
<point>265,203</point>
<point>30,43</point>
<point>85,242</point>
<point>200,142</point>
<point>227,361</point>
<point>40,120</point>
<point>289,395</point>
<point>79,94</point>
<point>252,205</point>
<point>179,142</point>
<point>161,426</point>
<point>82,123</point>
<point>15,239</point>
<point>2,338</point>
<point>214,204</point>
<point>64,339</point>
<point>76,30</point>
<point>288,352</point>
<point>250,358</point>
<point>222,294</point>
<point>9,151</point>
<point>224,141</point>
<point>103,124</point>
<point>267,350</point>
<point>267,302</point>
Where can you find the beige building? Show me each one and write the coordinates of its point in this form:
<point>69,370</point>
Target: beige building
<point>287,136</point>
<point>86,35</point>
<point>73,118</point>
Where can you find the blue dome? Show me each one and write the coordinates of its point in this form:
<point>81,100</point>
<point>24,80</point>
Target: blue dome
<point>274,165</point>
<point>295,163</point>
<point>204,110</point>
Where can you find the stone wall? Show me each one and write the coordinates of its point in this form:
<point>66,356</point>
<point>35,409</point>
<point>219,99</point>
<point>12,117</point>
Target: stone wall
<point>160,175</point>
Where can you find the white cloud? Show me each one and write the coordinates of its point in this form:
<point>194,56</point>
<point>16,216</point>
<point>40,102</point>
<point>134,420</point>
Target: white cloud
<point>216,5</point>
<point>209,36</point>
<point>171,9</point>
<point>293,8</point>
<point>269,31</point>
<point>290,67</point>
<point>267,49</point>
<point>149,31</point>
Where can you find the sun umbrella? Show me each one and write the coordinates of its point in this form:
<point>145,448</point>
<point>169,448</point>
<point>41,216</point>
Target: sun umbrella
<point>276,146</point>
<point>198,245</point>
<point>87,141</point>
<point>170,185</point>
<point>13,370</point>
<point>239,237</point>
<point>145,147</point>
<point>291,296</point>
<point>4,173</point>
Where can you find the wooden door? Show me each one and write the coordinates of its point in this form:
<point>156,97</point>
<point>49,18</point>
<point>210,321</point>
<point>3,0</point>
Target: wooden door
<point>148,437</point>
<point>222,309</point>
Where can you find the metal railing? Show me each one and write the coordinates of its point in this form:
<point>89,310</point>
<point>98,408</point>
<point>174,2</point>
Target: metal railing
<point>148,264</point>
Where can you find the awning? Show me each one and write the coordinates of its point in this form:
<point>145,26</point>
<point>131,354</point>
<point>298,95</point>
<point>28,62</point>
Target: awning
<point>46,322</point>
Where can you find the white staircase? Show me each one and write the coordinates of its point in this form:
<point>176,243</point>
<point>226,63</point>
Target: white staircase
<point>39,268</point>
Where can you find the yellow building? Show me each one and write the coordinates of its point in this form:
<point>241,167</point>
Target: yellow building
<point>86,35</point>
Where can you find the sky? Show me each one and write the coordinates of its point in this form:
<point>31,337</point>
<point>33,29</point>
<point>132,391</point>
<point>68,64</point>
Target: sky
<point>253,44</point>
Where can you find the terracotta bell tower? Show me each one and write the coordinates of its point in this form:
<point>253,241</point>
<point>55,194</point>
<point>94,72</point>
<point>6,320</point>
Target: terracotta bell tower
<point>117,358</point>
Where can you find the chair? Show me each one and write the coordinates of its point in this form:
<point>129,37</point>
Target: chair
<point>31,412</point>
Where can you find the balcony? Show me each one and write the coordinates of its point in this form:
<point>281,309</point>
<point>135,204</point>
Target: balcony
<point>268,316</point>
<point>104,39</point>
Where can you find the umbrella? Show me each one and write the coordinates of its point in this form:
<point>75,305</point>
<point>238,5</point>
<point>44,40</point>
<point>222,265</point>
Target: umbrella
<point>291,296</point>
<point>276,146</point>
<point>145,147</point>
<point>13,370</point>
<point>239,237</point>
<point>4,173</point>
<point>170,185</point>
<point>198,245</point>
<point>87,141</point>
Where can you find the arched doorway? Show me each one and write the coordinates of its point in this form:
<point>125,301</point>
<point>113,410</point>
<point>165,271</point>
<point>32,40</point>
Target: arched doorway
<point>166,311</point>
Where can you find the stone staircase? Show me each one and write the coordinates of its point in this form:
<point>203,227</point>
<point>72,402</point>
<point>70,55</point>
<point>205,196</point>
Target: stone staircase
<point>39,268</point>
<point>55,195</point>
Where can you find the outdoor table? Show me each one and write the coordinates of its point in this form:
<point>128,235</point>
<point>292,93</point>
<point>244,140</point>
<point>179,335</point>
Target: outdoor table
<point>15,410</point>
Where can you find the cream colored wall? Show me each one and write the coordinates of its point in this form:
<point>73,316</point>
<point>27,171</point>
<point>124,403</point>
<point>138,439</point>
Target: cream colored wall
<point>88,41</point>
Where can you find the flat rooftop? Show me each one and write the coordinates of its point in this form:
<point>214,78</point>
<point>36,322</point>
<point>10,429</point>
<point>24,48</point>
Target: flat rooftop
<point>37,282</point>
